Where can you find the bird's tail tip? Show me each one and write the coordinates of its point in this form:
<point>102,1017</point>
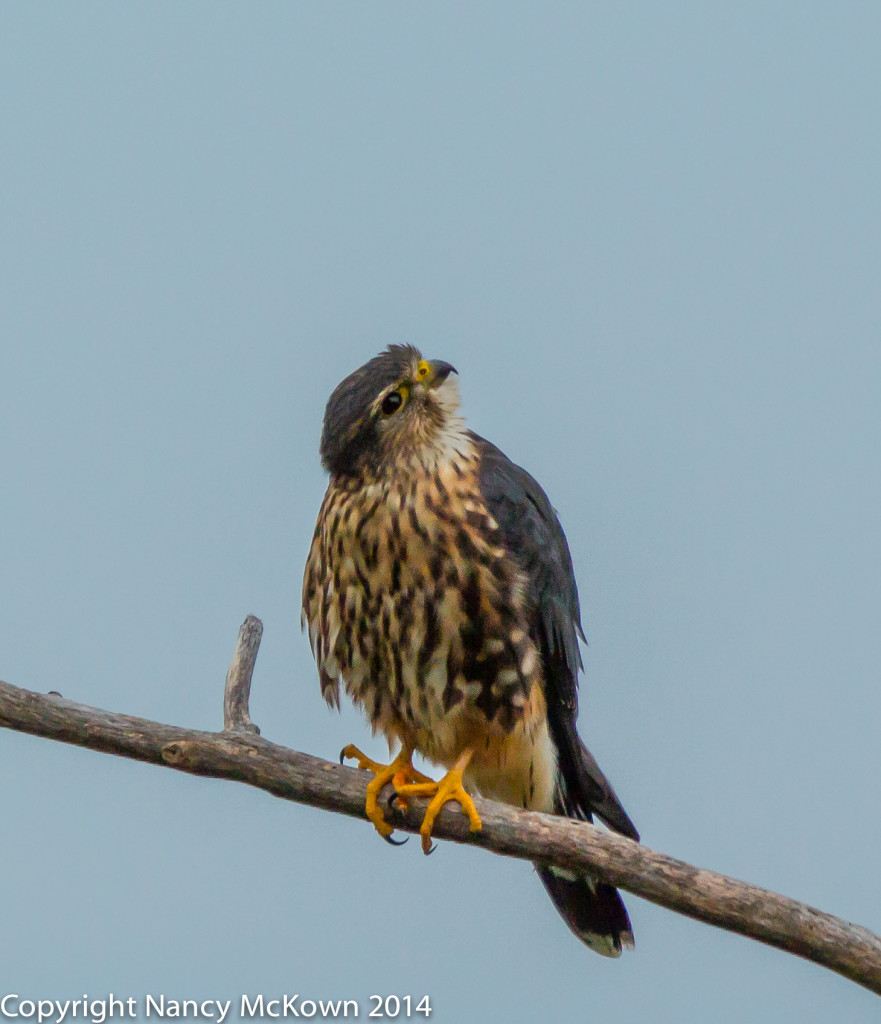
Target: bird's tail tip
<point>593,910</point>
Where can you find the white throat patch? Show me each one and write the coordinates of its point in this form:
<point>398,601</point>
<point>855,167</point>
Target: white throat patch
<point>452,440</point>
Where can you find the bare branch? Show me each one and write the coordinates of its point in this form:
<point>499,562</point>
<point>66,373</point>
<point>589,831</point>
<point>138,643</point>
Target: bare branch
<point>237,692</point>
<point>240,754</point>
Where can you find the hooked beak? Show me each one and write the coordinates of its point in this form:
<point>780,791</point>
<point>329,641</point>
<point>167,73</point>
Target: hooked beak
<point>439,372</point>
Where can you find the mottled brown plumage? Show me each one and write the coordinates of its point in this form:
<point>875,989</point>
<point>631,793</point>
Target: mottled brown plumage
<point>439,591</point>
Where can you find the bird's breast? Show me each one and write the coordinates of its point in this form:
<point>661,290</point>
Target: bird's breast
<point>414,602</point>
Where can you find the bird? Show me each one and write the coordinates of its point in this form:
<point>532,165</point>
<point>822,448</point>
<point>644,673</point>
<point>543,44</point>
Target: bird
<point>439,591</point>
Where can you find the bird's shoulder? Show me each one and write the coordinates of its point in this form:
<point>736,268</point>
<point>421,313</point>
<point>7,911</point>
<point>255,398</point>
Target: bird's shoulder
<point>532,535</point>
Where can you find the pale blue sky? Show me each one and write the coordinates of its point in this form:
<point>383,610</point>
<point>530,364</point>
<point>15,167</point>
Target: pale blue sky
<point>649,237</point>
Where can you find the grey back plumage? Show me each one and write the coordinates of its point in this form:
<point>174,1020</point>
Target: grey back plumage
<point>533,535</point>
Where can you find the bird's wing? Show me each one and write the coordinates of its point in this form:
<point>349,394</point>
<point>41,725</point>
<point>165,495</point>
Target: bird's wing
<point>534,537</point>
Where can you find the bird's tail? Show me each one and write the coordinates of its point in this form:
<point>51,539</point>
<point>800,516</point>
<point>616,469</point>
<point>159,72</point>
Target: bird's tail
<point>593,909</point>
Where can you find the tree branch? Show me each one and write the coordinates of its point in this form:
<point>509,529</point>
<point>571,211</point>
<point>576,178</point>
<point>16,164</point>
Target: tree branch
<point>237,692</point>
<point>241,754</point>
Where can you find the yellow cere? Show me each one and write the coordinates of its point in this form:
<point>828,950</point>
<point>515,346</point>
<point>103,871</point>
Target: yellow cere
<point>423,370</point>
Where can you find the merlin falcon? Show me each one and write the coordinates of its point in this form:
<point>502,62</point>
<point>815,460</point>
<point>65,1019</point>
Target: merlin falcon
<point>439,589</point>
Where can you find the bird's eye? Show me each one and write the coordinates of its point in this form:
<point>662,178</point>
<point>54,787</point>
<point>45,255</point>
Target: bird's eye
<point>391,403</point>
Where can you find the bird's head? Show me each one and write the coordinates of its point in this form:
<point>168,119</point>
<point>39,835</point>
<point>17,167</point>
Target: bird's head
<point>397,408</point>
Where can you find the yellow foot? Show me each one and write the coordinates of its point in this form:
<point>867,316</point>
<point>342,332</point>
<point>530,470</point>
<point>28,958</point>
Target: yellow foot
<point>400,772</point>
<point>449,788</point>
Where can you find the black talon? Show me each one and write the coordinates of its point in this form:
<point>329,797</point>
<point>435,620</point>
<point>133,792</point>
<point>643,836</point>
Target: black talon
<point>396,842</point>
<point>431,850</point>
<point>392,800</point>
<point>343,756</point>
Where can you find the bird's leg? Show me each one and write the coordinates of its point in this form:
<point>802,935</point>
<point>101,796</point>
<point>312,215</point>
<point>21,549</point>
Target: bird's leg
<point>401,771</point>
<point>448,788</point>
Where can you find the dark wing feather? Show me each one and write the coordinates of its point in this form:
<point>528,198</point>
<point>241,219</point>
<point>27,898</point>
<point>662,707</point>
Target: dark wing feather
<point>532,534</point>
